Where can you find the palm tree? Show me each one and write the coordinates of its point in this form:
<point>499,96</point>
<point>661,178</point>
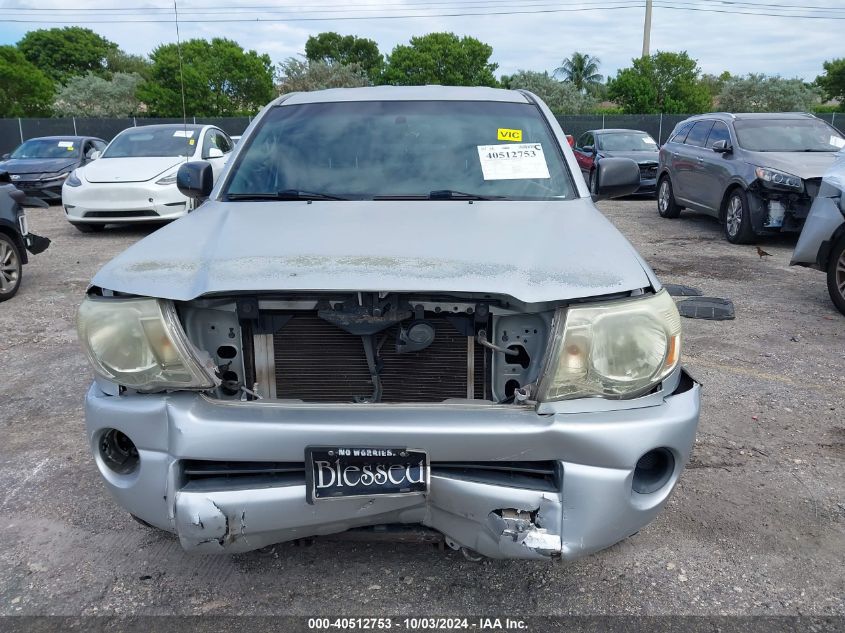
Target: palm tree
<point>581,70</point>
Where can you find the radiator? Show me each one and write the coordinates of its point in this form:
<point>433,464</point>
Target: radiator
<point>316,361</point>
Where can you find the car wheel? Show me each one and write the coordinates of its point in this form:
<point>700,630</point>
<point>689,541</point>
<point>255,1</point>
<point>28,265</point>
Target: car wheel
<point>88,228</point>
<point>11,267</point>
<point>666,205</point>
<point>593,184</point>
<point>738,228</point>
<point>836,275</point>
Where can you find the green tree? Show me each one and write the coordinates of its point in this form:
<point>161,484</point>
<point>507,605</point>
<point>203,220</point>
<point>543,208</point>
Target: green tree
<point>298,75</point>
<point>441,58</point>
<point>220,79</point>
<point>581,70</point>
<point>662,83</point>
<point>24,89</point>
<point>333,48</point>
<point>94,96</point>
<point>833,80</point>
<point>714,83</point>
<point>762,93</point>
<point>561,96</point>
<point>64,52</point>
<point>119,62</point>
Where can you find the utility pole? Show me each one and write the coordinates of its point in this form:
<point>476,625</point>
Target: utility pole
<point>647,29</point>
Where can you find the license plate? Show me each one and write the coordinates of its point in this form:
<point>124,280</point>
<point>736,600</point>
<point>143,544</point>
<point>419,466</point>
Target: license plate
<point>334,472</point>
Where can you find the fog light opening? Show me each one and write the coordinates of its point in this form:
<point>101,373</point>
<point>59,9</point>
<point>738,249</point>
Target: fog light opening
<point>653,471</point>
<point>118,452</point>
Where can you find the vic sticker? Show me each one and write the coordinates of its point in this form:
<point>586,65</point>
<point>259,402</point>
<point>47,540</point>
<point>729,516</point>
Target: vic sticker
<point>509,135</point>
<point>513,162</point>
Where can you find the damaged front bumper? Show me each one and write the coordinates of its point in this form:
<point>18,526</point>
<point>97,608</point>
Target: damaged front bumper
<point>588,504</point>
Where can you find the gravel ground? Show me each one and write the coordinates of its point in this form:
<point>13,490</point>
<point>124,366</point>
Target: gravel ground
<point>754,527</point>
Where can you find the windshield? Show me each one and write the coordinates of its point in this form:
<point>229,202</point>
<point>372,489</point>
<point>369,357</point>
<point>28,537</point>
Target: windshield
<point>402,149</point>
<point>626,142</point>
<point>787,135</point>
<point>145,142</point>
<point>47,148</point>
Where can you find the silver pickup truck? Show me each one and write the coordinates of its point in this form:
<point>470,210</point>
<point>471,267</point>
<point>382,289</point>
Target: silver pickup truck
<point>395,306</point>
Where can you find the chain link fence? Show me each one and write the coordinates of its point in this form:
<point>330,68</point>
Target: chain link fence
<point>15,131</point>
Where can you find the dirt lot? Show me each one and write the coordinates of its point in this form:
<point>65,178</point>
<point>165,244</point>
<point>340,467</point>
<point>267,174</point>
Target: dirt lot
<point>756,526</point>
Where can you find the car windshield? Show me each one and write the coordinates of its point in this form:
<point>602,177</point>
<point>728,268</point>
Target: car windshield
<point>144,142</point>
<point>47,148</point>
<point>626,142</point>
<point>402,149</point>
<point>787,135</point>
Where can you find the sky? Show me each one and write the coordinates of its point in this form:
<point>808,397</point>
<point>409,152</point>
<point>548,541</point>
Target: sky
<point>786,46</point>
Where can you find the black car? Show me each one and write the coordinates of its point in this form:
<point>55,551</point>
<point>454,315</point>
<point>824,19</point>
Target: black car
<point>15,238</point>
<point>594,145</point>
<point>756,173</point>
<point>39,166</point>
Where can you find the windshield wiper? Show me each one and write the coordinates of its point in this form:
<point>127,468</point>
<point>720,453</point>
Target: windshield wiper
<point>449,194</point>
<point>285,194</point>
<point>440,194</point>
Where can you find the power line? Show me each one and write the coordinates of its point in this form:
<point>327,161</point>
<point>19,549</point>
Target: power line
<point>421,5</point>
<point>486,10</point>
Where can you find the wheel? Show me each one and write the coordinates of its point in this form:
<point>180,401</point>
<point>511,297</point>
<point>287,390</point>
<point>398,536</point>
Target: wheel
<point>836,274</point>
<point>666,205</point>
<point>11,267</point>
<point>738,228</point>
<point>88,228</point>
<point>593,182</point>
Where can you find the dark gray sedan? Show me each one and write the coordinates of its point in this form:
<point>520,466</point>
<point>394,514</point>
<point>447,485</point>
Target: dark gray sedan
<point>39,166</point>
<point>594,145</point>
<point>756,173</point>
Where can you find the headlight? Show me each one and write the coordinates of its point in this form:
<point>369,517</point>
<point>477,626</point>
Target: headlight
<point>139,343</point>
<point>73,180</point>
<point>167,180</point>
<point>618,349</point>
<point>779,178</point>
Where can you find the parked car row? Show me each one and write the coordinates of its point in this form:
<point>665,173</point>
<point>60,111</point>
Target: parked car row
<point>758,174</point>
<point>130,179</point>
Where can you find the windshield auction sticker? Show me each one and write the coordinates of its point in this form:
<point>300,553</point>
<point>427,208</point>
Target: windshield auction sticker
<point>506,134</point>
<point>513,162</point>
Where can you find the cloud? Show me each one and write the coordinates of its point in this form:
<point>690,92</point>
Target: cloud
<point>738,43</point>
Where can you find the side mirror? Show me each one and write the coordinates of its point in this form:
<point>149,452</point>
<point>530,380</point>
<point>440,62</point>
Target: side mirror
<point>722,147</point>
<point>589,149</point>
<point>214,152</point>
<point>6,156</point>
<point>195,179</point>
<point>571,140</point>
<point>617,177</point>
<point>94,155</point>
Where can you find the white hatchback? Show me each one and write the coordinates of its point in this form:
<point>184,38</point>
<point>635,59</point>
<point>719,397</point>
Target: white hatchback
<point>134,180</point>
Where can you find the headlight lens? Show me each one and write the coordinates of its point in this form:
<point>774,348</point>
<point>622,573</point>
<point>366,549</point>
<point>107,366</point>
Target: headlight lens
<point>139,343</point>
<point>779,178</point>
<point>618,349</point>
<point>73,180</point>
<point>167,180</point>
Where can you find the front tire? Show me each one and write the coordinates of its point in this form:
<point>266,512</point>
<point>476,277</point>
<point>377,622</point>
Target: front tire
<point>666,205</point>
<point>88,228</point>
<point>836,274</point>
<point>738,229</point>
<point>11,267</point>
<point>593,182</point>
